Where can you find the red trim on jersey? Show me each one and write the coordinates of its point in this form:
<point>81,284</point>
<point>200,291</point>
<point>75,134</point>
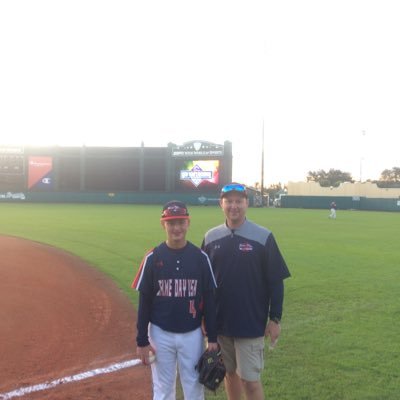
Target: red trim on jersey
<point>139,273</point>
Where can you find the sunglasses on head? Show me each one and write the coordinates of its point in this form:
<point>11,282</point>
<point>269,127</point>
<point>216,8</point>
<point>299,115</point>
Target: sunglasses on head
<point>174,211</point>
<point>237,187</point>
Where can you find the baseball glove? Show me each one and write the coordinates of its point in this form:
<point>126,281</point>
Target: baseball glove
<point>211,369</point>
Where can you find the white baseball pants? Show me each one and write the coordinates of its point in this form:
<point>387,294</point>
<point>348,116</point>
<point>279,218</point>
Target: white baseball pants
<point>176,351</point>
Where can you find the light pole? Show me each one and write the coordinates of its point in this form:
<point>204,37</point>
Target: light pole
<point>262,167</point>
<point>361,155</point>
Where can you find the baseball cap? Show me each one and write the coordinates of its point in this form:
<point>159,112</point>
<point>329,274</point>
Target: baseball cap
<point>233,187</point>
<point>174,210</point>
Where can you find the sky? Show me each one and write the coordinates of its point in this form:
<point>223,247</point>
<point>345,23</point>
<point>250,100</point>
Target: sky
<point>318,80</point>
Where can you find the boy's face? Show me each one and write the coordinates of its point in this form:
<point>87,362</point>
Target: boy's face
<point>176,230</point>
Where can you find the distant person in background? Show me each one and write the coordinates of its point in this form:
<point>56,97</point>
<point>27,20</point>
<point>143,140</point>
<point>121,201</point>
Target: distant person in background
<point>332,215</point>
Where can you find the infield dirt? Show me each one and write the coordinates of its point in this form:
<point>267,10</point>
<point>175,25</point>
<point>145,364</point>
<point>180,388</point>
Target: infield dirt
<point>60,317</point>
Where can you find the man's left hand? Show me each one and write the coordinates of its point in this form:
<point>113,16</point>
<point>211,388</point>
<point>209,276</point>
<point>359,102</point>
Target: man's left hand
<point>273,330</point>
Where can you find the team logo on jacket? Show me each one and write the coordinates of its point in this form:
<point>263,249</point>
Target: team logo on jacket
<point>245,247</point>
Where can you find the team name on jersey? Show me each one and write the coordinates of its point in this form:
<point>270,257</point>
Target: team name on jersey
<point>177,287</point>
<point>245,247</point>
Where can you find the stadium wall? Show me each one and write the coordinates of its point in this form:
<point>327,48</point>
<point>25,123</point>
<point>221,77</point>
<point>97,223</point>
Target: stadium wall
<point>194,171</point>
<point>202,199</point>
<point>348,196</point>
<point>342,202</point>
<point>360,189</point>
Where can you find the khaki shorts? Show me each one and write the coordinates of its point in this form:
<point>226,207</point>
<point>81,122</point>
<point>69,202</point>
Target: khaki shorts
<point>245,356</point>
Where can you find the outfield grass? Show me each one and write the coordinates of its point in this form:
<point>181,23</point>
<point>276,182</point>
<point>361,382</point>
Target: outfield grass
<point>341,325</point>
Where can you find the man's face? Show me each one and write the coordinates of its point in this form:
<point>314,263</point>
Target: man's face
<point>176,230</point>
<point>234,206</point>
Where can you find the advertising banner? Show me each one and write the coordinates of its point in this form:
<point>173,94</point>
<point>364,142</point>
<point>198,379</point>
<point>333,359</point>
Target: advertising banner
<point>40,173</point>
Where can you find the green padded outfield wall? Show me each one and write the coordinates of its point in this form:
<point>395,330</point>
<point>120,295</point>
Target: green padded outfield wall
<point>201,199</point>
<point>343,203</point>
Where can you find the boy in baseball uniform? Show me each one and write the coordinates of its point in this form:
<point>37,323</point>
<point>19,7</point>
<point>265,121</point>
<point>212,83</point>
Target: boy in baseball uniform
<point>176,285</point>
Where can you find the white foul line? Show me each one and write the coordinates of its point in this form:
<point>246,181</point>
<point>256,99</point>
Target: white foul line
<point>73,378</point>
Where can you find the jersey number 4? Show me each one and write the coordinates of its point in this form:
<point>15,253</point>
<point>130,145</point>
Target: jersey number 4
<point>192,308</point>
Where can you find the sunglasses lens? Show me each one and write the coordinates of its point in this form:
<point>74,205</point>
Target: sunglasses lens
<point>235,187</point>
<point>174,211</point>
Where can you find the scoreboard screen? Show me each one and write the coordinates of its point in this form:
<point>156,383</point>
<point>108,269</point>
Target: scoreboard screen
<point>198,174</point>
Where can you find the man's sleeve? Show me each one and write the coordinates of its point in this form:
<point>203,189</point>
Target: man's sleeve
<point>276,267</point>
<point>277,271</point>
<point>276,290</point>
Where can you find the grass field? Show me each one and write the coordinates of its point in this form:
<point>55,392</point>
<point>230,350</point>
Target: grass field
<point>341,325</point>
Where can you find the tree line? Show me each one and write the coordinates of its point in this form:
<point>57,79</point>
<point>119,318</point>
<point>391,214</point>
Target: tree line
<point>390,178</point>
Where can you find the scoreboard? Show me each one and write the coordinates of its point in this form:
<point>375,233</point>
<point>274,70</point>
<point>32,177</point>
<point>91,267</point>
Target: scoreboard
<point>194,167</point>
